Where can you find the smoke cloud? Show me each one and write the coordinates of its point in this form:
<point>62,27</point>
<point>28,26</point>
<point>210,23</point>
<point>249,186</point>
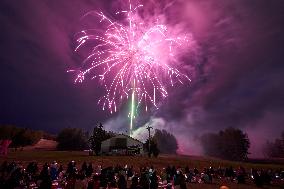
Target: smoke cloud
<point>236,69</point>
<point>237,74</point>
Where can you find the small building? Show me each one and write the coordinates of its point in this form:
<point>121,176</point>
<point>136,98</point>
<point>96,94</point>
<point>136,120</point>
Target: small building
<point>122,144</point>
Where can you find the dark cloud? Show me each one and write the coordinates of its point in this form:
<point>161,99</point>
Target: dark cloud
<point>238,77</point>
<point>237,70</point>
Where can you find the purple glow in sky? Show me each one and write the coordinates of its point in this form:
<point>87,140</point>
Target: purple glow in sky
<point>236,71</point>
<point>135,56</point>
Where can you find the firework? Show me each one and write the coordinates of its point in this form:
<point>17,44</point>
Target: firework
<point>136,60</point>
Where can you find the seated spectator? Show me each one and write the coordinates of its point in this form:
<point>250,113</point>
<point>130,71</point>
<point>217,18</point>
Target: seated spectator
<point>241,175</point>
<point>54,171</point>
<point>89,170</point>
<point>144,181</point>
<point>135,183</point>
<point>13,175</point>
<point>182,181</point>
<point>81,181</point>
<point>153,181</point>
<point>45,177</point>
<point>121,183</point>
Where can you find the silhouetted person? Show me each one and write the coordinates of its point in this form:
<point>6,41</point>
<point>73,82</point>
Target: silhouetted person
<point>182,182</point>
<point>121,183</point>
<point>154,181</point>
<point>257,179</point>
<point>94,183</point>
<point>177,178</point>
<point>135,183</point>
<point>195,171</point>
<point>54,171</point>
<point>84,167</point>
<point>89,170</point>
<point>130,172</point>
<point>241,175</point>
<point>144,181</point>
<point>45,178</point>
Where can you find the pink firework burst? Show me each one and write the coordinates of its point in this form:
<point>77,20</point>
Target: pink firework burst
<point>134,59</point>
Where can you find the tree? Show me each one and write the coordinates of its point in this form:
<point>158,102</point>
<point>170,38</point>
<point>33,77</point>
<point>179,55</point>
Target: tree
<point>7,131</point>
<point>210,142</point>
<point>231,144</point>
<point>154,150</point>
<point>99,135</point>
<point>275,149</point>
<point>166,141</point>
<point>72,139</point>
<point>20,136</point>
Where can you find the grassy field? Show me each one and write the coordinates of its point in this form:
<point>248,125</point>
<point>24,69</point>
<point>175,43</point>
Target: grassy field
<point>63,157</point>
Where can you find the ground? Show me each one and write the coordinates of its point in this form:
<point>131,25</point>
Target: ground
<point>63,157</point>
<point>42,144</point>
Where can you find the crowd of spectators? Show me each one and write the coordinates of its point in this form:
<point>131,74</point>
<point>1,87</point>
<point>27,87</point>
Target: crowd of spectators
<point>54,176</point>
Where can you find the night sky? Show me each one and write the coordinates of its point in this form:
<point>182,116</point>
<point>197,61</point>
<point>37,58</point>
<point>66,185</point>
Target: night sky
<point>237,69</point>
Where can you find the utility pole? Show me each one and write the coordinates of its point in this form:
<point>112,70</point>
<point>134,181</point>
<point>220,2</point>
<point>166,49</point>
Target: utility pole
<point>149,139</point>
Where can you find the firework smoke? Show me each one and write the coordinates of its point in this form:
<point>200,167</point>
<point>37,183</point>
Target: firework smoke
<point>134,58</point>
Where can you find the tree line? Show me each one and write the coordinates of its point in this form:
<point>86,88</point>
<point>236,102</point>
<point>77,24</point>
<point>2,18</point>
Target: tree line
<point>20,136</point>
<point>230,144</point>
<point>76,139</point>
<point>275,149</point>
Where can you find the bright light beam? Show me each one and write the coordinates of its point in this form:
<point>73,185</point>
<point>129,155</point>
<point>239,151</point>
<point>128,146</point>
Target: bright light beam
<point>132,109</point>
